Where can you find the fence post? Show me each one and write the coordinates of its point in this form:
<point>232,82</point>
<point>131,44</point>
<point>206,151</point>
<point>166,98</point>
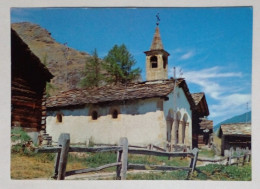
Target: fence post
<point>118,159</point>
<point>193,161</point>
<point>121,173</point>
<point>57,161</point>
<point>230,156</point>
<point>249,157</point>
<point>64,141</point>
<point>246,153</point>
<point>244,159</point>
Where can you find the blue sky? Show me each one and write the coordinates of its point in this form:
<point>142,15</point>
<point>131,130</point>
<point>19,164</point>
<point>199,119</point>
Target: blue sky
<point>212,46</point>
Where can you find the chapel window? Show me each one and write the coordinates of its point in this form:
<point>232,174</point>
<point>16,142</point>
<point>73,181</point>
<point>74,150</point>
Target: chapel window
<point>59,117</point>
<point>115,114</point>
<point>154,62</point>
<point>94,115</point>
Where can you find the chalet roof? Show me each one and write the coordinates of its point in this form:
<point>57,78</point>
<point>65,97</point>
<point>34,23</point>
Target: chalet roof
<point>197,97</point>
<point>236,129</point>
<point>206,124</point>
<point>108,93</point>
<point>18,43</point>
<point>200,103</point>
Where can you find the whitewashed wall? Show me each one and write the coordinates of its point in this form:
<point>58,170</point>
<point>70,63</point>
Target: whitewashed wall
<point>138,121</point>
<point>142,121</point>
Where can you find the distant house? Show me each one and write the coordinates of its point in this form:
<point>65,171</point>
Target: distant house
<point>157,111</point>
<point>235,135</point>
<point>205,132</point>
<point>29,77</point>
<point>201,127</point>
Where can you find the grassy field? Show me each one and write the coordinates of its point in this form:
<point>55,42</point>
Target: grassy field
<point>30,166</point>
<point>207,153</point>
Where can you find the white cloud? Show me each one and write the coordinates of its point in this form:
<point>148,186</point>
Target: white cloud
<point>187,55</point>
<point>207,80</point>
<point>227,99</point>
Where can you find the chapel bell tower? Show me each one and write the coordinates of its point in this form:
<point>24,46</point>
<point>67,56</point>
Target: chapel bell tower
<point>156,58</point>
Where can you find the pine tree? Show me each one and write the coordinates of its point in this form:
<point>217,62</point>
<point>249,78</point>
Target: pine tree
<point>118,65</point>
<point>92,76</point>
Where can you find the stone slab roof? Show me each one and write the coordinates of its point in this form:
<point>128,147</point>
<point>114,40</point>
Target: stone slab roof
<point>141,90</point>
<point>206,124</point>
<point>197,97</point>
<point>236,129</point>
<point>157,42</point>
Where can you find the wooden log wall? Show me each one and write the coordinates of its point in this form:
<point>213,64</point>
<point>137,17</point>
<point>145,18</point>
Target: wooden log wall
<point>26,105</point>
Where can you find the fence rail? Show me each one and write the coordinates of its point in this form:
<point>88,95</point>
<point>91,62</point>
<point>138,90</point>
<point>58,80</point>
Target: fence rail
<point>155,167</point>
<point>157,153</point>
<point>232,155</point>
<point>122,164</point>
<point>68,173</point>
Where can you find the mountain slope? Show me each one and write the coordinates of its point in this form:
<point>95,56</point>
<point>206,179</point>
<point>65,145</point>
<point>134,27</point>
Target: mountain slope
<point>65,63</point>
<point>246,117</point>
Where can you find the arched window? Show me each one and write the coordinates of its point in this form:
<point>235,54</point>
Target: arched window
<point>154,62</point>
<point>94,115</point>
<point>59,117</point>
<point>115,114</point>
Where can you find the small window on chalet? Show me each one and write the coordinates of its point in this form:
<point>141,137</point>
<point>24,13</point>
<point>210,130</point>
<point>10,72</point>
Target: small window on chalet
<point>59,117</point>
<point>94,115</point>
<point>154,62</point>
<point>115,114</point>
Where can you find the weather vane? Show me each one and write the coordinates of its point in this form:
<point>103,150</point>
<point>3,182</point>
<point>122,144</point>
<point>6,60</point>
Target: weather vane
<point>158,19</point>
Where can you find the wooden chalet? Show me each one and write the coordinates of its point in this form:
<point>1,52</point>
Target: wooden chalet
<point>235,135</point>
<point>201,127</point>
<point>205,132</point>
<point>28,81</point>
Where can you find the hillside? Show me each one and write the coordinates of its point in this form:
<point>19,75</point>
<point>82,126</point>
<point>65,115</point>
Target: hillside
<point>65,63</point>
<point>246,117</point>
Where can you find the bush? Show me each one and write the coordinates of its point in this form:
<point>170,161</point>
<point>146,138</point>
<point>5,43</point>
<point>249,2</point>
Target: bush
<point>20,137</point>
<point>18,134</point>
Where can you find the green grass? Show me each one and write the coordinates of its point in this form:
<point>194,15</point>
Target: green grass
<point>40,165</point>
<point>158,160</point>
<point>223,172</point>
<point>206,153</point>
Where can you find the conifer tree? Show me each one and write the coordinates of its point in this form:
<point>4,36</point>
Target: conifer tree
<point>118,65</point>
<point>92,76</point>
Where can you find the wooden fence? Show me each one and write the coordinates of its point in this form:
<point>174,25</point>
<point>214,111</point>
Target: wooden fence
<point>234,157</point>
<point>121,164</point>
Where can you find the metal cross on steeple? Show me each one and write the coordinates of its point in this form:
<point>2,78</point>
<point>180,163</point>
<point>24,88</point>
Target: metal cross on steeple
<point>158,19</point>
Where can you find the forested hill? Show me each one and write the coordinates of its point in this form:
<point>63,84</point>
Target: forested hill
<point>246,117</point>
<point>65,63</point>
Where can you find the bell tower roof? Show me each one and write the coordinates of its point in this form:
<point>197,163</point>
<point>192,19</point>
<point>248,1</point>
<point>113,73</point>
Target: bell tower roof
<point>157,46</point>
<point>157,42</point>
